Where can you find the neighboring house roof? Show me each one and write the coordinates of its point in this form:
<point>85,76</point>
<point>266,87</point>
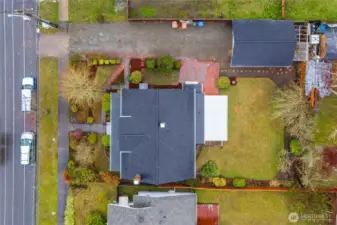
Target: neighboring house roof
<point>140,146</point>
<point>167,210</point>
<point>216,118</point>
<point>331,40</point>
<point>208,214</point>
<point>263,43</point>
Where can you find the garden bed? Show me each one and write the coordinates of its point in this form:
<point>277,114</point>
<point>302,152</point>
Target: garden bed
<point>254,138</point>
<point>155,77</point>
<point>230,9</point>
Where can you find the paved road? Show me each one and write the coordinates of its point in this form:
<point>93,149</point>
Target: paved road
<point>17,59</point>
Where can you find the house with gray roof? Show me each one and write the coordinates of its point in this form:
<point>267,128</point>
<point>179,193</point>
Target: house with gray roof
<point>154,132</point>
<point>154,208</point>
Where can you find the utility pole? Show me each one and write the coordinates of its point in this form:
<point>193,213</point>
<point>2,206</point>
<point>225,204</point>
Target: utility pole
<point>28,14</point>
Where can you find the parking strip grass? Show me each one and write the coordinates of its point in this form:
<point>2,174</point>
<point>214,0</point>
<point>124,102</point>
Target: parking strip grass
<point>47,142</point>
<point>254,139</point>
<point>311,9</point>
<point>49,10</point>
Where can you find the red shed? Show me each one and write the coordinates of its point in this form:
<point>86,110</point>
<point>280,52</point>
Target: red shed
<point>208,214</point>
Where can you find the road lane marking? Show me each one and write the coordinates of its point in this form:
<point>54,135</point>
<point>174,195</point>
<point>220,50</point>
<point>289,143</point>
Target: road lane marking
<point>5,141</point>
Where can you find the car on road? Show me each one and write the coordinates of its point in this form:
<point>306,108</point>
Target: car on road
<point>28,86</point>
<point>27,147</point>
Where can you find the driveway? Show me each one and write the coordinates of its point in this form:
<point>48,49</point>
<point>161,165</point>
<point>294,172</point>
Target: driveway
<point>143,39</point>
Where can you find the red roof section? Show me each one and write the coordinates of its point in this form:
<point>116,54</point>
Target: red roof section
<point>208,214</point>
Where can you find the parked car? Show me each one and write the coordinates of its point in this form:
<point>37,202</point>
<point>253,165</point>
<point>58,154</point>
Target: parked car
<point>28,86</point>
<point>27,147</point>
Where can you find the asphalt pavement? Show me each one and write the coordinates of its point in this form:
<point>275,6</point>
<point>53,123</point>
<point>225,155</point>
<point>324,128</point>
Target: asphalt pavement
<point>18,58</point>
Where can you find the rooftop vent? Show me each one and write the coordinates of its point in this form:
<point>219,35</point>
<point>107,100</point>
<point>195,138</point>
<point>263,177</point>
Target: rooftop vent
<point>162,125</point>
<point>123,200</point>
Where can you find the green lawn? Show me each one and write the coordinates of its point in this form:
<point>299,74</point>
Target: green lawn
<point>95,198</point>
<point>232,9</point>
<point>326,121</point>
<point>311,9</point>
<point>254,139</point>
<point>131,190</point>
<point>262,208</point>
<point>81,11</point>
<point>47,142</point>
<point>49,10</point>
<point>101,161</point>
<point>155,77</point>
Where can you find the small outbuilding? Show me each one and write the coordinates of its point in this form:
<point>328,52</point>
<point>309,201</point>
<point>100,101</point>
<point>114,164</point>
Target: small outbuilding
<point>263,43</point>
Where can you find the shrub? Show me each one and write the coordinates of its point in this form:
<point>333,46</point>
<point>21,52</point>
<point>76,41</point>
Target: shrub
<point>106,102</point>
<point>69,213</point>
<point>92,138</point>
<point>77,134</point>
<point>118,61</point>
<point>150,63</point>
<point>84,154</point>
<point>223,82</point>
<point>295,147</point>
<point>95,218</point>
<point>106,140</point>
<point>66,177</point>
<point>148,12</point>
<point>219,182</point>
<point>73,144</point>
<point>94,62</point>
<point>74,108</point>
<point>110,178</point>
<point>274,183</point>
<point>101,61</point>
<point>177,65</point>
<point>239,182</point>
<point>209,169</point>
<point>165,63</point>
<point>106,62</point>
<point>71,165</point>
<point>100,18</point>
<point>113,62</point>
<point>135,77</point>
<point>90,120</point>
<point>83,176</point>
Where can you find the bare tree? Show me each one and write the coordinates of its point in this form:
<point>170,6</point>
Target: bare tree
<point>84,154</point>
<point>291,106</point>
<point>79,89</point>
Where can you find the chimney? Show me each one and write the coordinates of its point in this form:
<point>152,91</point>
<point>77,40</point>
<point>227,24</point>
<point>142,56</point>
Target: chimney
<point>136,180</point>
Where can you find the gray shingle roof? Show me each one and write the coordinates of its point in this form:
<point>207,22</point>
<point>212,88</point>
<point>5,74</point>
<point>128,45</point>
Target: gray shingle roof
<point>177,210</point>
<point>159,155</point>
<point>263,43</point>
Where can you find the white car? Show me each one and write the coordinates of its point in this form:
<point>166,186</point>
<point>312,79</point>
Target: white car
<point>28,85</point>
<point>27,147</point>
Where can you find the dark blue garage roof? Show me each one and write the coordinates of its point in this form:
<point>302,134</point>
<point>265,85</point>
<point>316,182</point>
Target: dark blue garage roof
<point>263,43</point>
<point>141,146</point>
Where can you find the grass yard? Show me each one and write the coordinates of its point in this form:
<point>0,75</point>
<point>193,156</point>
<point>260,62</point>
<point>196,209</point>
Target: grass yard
<point>84,11</point>
<point>95,198</point>
<point>131,190</point>
<point>326,121</point>
<point>101,161</point>
<point>49,10</point>
<point>254,139</point>
<point>232,9</point>
<point>155,77</point>
<point>47,142</point>
<point>262,208</point>
<point>311,10</point>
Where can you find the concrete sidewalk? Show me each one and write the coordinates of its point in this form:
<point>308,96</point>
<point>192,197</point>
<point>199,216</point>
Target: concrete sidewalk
<point>56,45</point>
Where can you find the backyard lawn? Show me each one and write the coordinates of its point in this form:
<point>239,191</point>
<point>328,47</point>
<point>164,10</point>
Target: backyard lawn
<point>311,9</point>
<point>95,198</point>
<point>263,208</point>
<point>101,160</point>
<point>234,9</point>
<point>47,142</point>
<point>326,122</point>
<point>254,139</point>
<point>81,11</point>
